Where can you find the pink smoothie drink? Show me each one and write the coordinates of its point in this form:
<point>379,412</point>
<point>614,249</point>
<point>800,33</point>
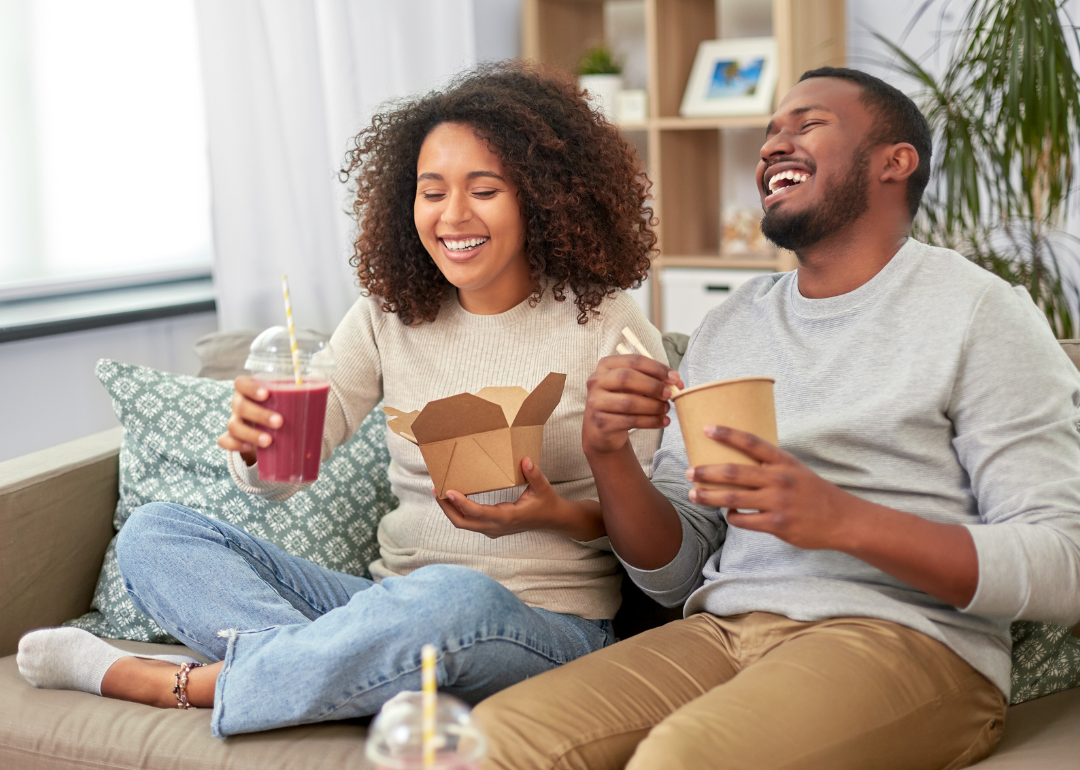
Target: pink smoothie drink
<point>296,450</point>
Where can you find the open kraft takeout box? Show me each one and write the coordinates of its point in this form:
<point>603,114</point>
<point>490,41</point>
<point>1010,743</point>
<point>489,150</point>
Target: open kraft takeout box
<point>475,443</point>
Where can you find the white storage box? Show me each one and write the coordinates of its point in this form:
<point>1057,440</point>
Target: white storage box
<point>689,293</point>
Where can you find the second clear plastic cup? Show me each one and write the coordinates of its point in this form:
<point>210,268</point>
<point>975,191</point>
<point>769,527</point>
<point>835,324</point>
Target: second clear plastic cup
<point>395,737</point>
<point>294,454</point>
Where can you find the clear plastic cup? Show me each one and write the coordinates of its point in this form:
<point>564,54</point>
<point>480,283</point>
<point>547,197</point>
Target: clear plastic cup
<point>294,454</point>
<point>395,738</point>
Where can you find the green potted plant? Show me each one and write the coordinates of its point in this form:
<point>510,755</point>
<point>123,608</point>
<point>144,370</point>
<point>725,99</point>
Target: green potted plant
<point>600,75</point>
<point>1005,113</point>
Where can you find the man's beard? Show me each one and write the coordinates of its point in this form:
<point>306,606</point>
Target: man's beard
<point>841,204</point>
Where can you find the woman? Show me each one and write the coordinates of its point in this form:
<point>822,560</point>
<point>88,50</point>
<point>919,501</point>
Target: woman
<point>498,221</point>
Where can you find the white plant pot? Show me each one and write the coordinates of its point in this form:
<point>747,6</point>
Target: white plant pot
<point>603,91</point>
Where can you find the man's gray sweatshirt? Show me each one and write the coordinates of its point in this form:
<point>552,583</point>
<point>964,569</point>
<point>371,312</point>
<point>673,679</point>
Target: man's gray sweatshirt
<point>934,389</point>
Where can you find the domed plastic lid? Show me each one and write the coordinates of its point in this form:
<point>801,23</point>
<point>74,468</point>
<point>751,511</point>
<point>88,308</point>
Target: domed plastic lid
<point>395,738</point>
<point>271,354</point>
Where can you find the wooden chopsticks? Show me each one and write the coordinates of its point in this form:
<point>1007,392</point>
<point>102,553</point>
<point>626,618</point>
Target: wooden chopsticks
<point>637,347</point>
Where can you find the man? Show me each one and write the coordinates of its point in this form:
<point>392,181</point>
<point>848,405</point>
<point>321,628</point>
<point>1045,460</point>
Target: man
<point>926,491</point>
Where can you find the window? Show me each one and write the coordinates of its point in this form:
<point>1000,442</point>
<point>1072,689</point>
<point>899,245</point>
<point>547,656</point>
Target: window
<point>103,163</point>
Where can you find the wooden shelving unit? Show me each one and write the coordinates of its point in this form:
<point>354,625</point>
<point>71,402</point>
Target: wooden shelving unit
<point>684,153</point>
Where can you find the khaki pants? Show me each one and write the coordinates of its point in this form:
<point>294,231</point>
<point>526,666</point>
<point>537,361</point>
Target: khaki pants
<point>754,692</point>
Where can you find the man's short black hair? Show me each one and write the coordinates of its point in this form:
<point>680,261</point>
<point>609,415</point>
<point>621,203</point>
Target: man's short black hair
<point>897,119</point>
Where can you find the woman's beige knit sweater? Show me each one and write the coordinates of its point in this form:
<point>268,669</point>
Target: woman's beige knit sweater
<point>381,358</point>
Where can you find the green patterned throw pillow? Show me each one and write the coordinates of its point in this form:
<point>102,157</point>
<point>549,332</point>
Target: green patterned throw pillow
<point>170,454</point>
<point>1046,660</point>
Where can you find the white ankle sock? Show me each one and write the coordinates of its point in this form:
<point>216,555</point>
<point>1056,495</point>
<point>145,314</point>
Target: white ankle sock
<point>72,659</point>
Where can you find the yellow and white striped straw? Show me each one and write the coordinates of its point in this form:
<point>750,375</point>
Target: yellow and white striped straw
<point>427,682</point>
<point>292,331</point>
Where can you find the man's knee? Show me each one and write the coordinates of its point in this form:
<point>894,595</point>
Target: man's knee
<point>496,718</point>
<point>678,745</point>
<point>529,727</point>
<point>517,738</point>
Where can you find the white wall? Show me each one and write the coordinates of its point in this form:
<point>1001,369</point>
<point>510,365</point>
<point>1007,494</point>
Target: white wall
<point>498,29</point>
<point>891,19</point>
<point>865,17</point>
<point>48,392</point>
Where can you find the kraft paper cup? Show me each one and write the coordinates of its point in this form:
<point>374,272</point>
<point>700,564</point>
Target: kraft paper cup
<point>744,404</point>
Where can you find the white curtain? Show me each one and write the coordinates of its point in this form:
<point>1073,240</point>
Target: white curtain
<point>287,82</point>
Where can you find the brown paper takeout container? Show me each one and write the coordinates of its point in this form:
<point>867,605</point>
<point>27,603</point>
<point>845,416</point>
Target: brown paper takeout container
<point>745,403</point>
<point>475,443</point>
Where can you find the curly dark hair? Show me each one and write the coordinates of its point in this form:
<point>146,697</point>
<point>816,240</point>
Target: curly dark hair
<point>583,192</point>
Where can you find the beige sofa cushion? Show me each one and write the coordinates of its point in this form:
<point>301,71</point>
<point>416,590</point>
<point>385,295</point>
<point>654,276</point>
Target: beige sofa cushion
<point>50,729</point>
<point>222,354</point>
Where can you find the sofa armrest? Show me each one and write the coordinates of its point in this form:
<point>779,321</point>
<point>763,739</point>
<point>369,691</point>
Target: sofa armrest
<point>56,509</point>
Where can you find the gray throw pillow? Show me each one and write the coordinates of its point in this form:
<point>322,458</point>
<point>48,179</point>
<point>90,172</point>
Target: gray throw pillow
<point>222,354</point>
<point>171,424</point>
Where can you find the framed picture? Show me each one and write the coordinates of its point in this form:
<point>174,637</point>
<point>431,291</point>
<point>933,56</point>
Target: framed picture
<point>731,77</point>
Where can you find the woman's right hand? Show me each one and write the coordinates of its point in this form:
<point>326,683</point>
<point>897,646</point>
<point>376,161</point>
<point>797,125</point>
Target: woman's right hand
<point>243,433</point>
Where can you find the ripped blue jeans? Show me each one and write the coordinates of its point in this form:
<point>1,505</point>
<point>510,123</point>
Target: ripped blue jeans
<point>302,644</point>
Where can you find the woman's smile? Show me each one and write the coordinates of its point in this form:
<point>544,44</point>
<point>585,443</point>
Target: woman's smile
<point>461,248</point>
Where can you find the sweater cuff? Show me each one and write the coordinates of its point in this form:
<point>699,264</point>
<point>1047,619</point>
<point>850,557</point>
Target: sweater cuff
<point>673,582</point>
<point>1026,572</point>
<point>1002,590</point>
<point>247,479</point>
<point>242,473</point>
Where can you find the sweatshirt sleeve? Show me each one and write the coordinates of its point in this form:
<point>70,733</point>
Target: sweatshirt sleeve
<point>355,389</point>
<point>703,528</point>
<point>1015,410</point>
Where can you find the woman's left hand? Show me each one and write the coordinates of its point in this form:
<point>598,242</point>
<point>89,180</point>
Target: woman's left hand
<point>539,507</point>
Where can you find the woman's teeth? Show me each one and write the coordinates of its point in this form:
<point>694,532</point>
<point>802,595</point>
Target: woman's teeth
<point>465,245</point>
<point>794,177</point>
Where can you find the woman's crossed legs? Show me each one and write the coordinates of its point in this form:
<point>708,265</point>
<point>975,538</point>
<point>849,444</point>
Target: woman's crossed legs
<point>298,643</point>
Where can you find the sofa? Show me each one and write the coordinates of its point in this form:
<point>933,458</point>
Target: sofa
<point>56,509</point>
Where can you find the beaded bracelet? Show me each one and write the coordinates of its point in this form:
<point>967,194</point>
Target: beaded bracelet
<point>180,691</point>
